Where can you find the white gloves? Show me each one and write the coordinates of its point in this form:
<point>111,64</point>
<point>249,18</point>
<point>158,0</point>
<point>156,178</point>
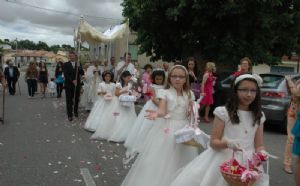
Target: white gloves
<point>233,145</point>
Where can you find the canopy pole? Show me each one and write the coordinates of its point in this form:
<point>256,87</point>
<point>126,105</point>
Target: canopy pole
<point>127,36</point>
<point>77,63</point>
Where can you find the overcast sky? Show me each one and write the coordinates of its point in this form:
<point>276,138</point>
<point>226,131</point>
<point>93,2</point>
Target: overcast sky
<point>21,21</point>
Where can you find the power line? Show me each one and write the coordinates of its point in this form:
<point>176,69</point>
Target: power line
<point>61,12</point>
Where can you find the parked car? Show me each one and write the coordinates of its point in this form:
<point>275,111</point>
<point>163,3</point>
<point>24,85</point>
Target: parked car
<point>275,98</point>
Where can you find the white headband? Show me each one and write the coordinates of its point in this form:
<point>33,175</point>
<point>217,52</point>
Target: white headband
<point>256,77</point>
<point>158,69</point>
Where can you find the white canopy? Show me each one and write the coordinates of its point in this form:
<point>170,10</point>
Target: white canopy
<point>87,33</point>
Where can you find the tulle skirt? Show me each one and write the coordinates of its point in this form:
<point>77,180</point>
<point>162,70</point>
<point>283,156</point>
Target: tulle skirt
<point>141,125</point>
<point>96,114</point>
<point>204,170</point>
<point>116,122</point>
<point>160,156</point>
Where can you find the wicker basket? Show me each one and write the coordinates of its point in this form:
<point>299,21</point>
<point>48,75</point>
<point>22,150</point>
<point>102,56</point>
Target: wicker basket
<point>193,143</point>
<point>235,180</point>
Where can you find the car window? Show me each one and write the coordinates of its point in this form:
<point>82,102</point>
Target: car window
<point>227,80</point>
<point>271,80</point>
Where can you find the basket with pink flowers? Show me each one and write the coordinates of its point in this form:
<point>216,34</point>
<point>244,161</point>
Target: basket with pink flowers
<point>237,174</point>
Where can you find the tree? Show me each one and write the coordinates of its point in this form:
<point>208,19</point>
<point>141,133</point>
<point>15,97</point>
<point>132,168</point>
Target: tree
<point>42,46</point>
<point>223,31</point>
<point>55,48</point>
<point>67,47</point>
<point>6,41</point>
<point>24,44</point>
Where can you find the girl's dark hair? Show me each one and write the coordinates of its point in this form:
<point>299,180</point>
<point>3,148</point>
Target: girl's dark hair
<point>108,72</point>
<point>233,103</point>
<point>158,73</point>
<point>123,75</point>
<point>148,66</point>
<point>57,67</point>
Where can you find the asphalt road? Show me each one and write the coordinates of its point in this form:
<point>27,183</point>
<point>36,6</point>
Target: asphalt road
<point>39,147</point>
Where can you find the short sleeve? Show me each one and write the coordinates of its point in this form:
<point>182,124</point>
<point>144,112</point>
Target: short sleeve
<point>221,113</point>
<point>263,118</point>
<point>100,87</point>
<point>118,85</point>
<point>162,94</point>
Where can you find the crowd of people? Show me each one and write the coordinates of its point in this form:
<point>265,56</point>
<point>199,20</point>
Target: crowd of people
<point>110,91</point>
<point>149,136</point>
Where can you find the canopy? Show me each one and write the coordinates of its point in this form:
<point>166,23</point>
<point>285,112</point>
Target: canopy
<point>87,33</point>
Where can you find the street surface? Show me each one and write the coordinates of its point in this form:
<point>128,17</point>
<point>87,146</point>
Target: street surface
<point>40,147</point>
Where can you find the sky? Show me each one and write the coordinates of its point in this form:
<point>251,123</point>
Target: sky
<point>29,19</point>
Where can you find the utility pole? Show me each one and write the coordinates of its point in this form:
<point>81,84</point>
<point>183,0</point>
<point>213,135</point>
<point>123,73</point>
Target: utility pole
<point>16,59</point>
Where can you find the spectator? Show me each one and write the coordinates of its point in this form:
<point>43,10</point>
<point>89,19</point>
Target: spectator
<point>191,66</point>
<point>43,79</point>
<point>31,77</point>
<point>11,74</point>
<point>207,89</point>
<point>59,78</point>
<point>244,67</point>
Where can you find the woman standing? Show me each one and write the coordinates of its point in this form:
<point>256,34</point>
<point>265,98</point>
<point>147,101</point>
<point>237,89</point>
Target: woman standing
<point>31,77</point>
<point>191,66</point>
<point>59,78</point>
<point>207,89</point>
<point>244,67</point>
<point>43,79</point>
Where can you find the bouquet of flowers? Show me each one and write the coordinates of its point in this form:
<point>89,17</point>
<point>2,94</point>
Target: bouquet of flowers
<point>237,174</point>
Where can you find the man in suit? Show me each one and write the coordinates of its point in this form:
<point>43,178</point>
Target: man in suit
<point>11,74</point>
<point>71,69</point>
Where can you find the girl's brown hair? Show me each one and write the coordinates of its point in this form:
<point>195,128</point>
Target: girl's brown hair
<point>233,103</point>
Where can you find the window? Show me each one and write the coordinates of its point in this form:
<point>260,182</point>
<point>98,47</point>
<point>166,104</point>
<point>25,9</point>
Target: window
<point>271,81</point>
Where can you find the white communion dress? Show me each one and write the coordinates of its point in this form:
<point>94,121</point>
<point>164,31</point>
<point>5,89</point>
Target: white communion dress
<point>161,157</point>
<point>117,121</point>
<point>100,106</point>
<point>141,126</point>
<point>204,170</point>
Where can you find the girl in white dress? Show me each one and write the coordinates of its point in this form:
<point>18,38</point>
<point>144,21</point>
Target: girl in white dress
<point>119,119</point>
<point>238,125</point>
<point>161,157</point>
<point>91,82</point>
<point>106,92</point>
<point>142,126</point>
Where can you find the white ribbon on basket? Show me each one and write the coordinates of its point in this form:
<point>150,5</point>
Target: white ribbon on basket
<point>192,131</point>
<point>263,177</point>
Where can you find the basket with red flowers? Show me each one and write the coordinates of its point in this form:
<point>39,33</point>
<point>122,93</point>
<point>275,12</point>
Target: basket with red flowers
<point>237,174</point>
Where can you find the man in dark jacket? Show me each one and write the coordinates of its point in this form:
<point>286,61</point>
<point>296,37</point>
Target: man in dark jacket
<point>71,69</point>
<point>11,74</point>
